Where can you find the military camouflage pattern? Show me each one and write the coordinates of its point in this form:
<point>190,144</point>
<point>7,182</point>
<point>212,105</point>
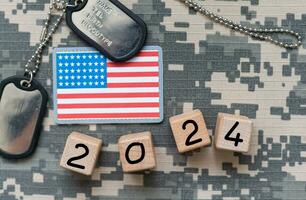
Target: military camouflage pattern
<point>206,66</point>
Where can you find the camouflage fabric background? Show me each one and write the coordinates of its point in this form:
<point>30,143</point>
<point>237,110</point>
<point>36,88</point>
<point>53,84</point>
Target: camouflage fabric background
<point>206,66</point>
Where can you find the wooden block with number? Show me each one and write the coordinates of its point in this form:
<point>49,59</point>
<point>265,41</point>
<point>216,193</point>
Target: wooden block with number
<point>136,152</point>
<point>81,153</point>
<point>233,132</point>
<point>189,131</point>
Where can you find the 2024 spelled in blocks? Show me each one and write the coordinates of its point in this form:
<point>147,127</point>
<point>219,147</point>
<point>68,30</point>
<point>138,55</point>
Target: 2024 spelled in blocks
<point>233,132</point>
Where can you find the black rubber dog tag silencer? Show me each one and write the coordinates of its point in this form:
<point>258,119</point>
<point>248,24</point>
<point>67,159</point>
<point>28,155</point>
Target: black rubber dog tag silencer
<point>108,26</point>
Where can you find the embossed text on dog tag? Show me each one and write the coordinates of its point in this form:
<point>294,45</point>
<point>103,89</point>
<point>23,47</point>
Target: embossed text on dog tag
<point>108,26</point>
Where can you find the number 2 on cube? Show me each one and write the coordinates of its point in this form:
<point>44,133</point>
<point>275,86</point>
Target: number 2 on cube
<point>189,131</point>
<point>195,130</point>
<point>80,153</point>
<point>71,160</point>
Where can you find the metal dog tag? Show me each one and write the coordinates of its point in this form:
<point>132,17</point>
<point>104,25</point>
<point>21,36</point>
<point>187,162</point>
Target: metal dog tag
<point>108,26</point>
<point>22,108</point>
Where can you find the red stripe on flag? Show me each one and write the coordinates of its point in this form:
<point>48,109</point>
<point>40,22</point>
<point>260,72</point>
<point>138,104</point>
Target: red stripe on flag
<point>132,74</point>
<point>108,95</point>
<point>127,85</point>
<point>132,64</point>
<point>108,105</point>
<point>147,54</point>
<point>107,115</point>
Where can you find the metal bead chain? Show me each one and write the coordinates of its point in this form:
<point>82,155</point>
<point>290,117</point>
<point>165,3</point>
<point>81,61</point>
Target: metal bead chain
<point>46,35</point>
<point>258,34</point>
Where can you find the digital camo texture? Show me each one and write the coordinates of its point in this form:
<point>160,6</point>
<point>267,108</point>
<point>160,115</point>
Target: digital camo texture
<point>206,66</point>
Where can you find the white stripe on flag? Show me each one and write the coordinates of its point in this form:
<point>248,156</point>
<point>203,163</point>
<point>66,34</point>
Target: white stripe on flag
<point>144,59</point>
<point>132,69</point>
<point>107,110</point>
<point>133,80</point>
<point>107,90</point>
<point>149,50</point>
<point>109,100</point>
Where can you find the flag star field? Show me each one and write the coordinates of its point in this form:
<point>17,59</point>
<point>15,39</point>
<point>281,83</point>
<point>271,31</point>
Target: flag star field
<point>81,70</point>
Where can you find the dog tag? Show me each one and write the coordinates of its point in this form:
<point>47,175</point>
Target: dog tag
<point>108,26</point>
<point>22,108</point>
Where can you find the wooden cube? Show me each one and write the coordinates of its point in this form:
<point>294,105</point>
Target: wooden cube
<point>136,152</point>
<point>233,132</point>
<point>81,153</point>
<point>189,131</point>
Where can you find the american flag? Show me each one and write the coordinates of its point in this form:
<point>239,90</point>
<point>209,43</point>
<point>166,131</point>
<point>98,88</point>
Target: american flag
<point>91,88</point>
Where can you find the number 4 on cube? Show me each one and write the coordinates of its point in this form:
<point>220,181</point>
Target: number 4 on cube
<point>81,153</point>
<point>233,132</point>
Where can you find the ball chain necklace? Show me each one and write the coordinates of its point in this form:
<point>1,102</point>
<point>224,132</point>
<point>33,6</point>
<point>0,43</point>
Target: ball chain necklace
<point>258,34</point>
<point>46,36</point>
<point>23,100</point>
